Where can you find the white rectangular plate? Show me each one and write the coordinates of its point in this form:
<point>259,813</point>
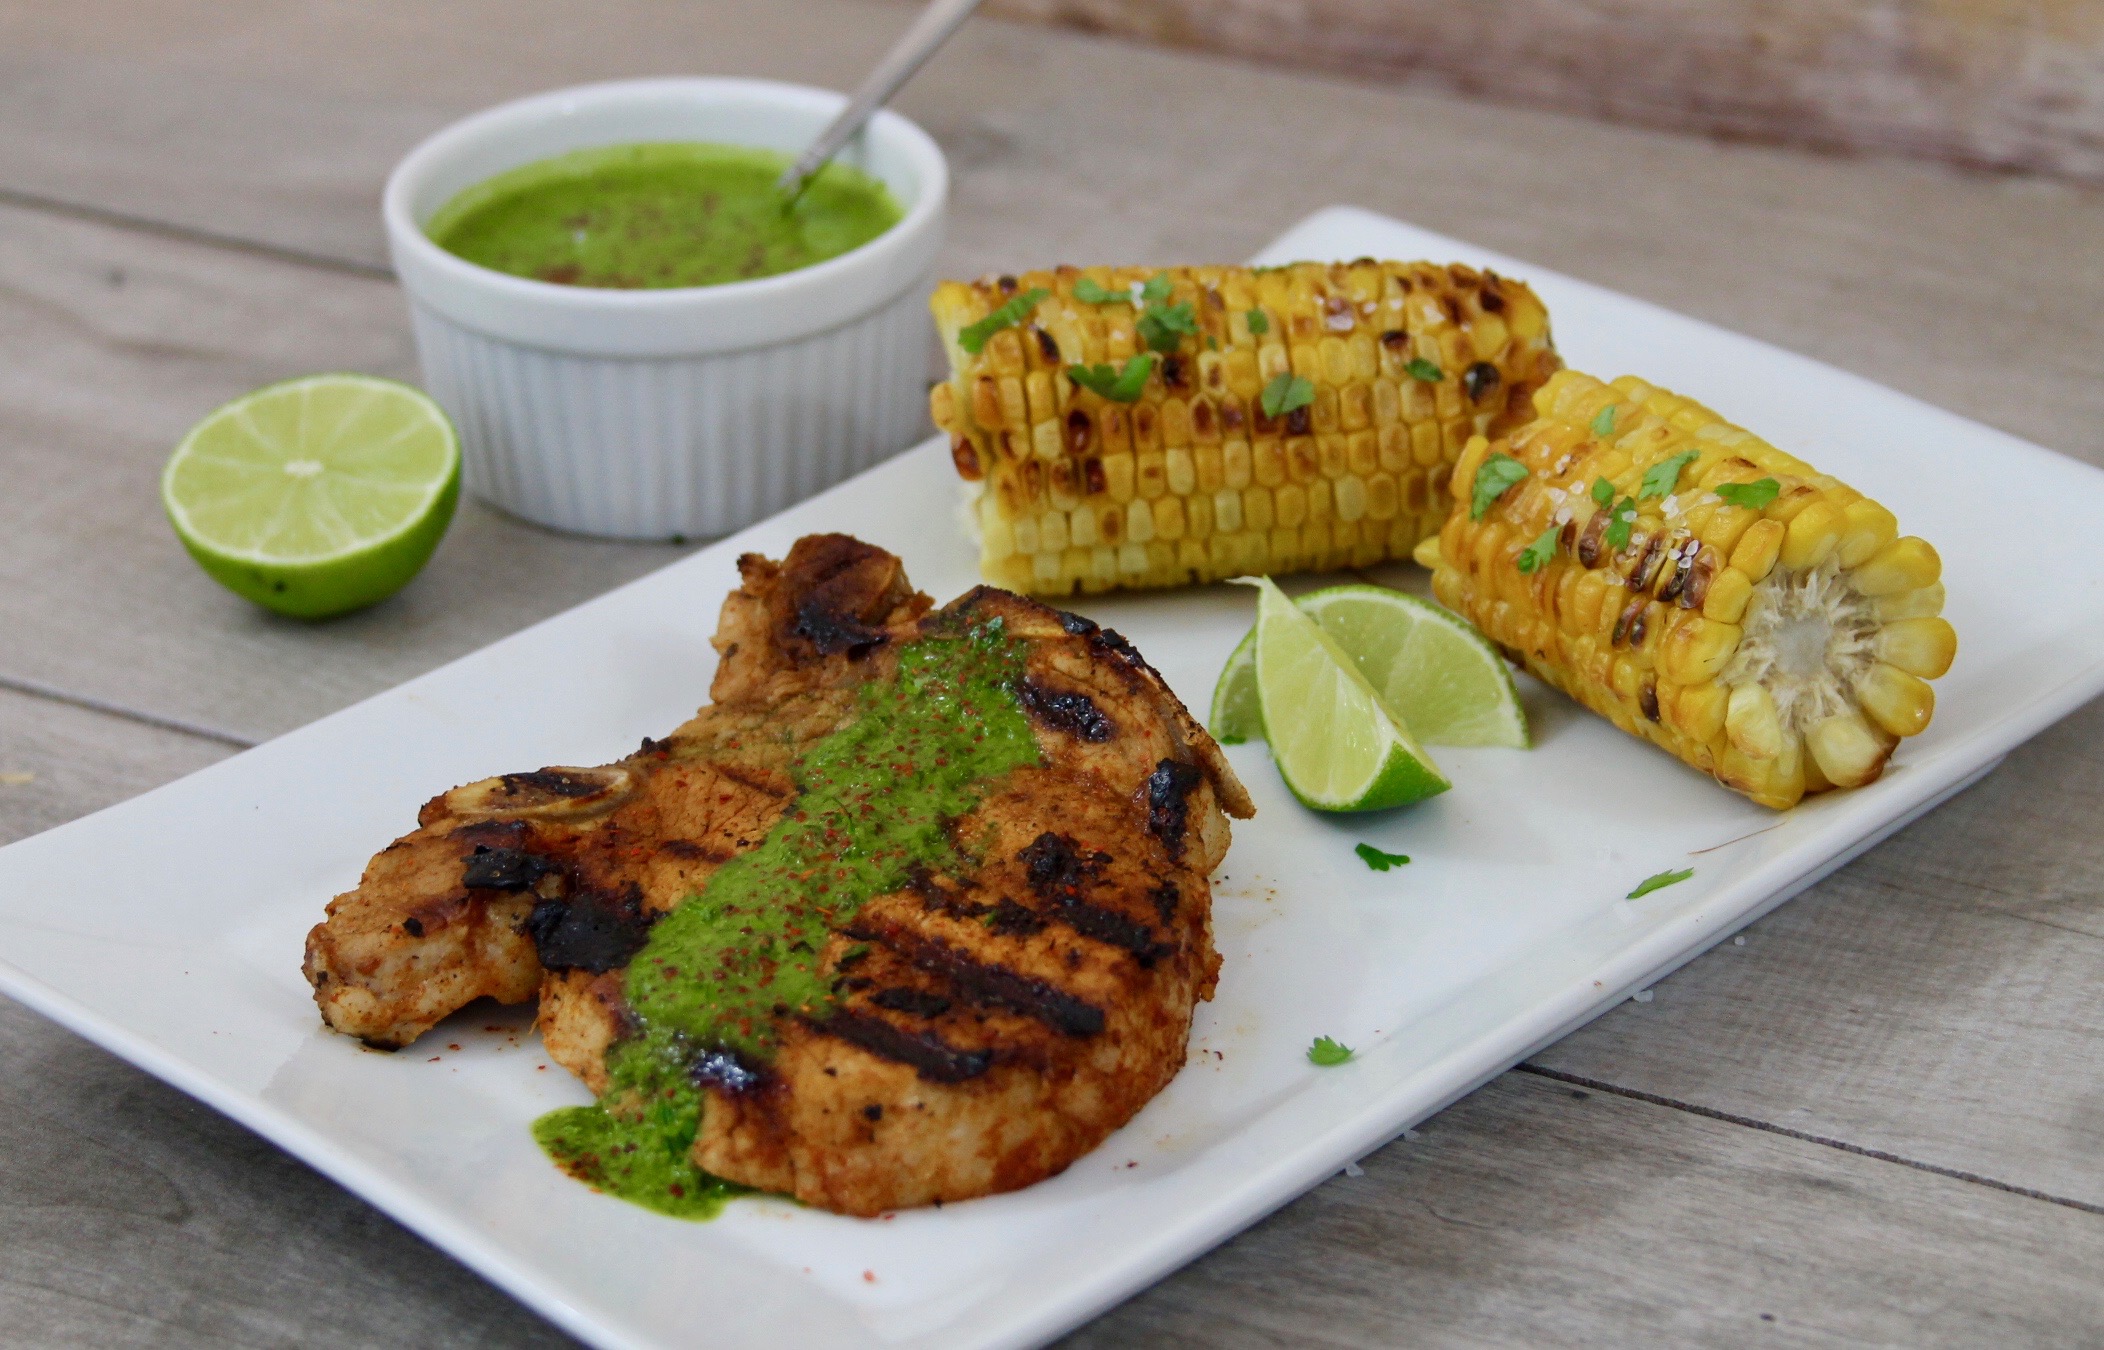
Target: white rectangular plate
<point>169,929</point>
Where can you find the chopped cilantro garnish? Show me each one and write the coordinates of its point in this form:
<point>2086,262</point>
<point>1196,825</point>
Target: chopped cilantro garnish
<point>1157,289</point>
<point>1089,293</point>
<point>1604,421</point>
<point>1162,326</point>
<point>1537,554</point>
<point>1620,520</point>
<point>1119,386</point>
<point>1421,369</point>
<point>1660,477</point>
<point>1661,881</point>
<point>1753,496</point>
<point>1493,477</point>
<point>973,336</point>
<point>1286,392</point>
<point>1212,344</point>
<point>1379,861</point>
<point>1328,1053</point>
<point>1258,324</point>
<point>1603,491</point>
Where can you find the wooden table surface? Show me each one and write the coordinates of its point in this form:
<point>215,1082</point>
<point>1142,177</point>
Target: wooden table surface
<point>1877,1119</point>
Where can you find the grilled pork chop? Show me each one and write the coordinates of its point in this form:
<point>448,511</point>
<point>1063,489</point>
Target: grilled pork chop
<point>916,910</point>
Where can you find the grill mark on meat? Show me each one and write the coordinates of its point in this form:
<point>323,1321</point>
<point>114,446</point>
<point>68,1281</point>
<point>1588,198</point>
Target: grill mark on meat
<point>751,780</point>
<point>1165,897</point>
<point>494,833</point>
<point>503,869</point>
<point>1057,870</point>
<point>986,982</point>
<point>924,1052</point>
<point>723,1069</point>
<point>689,849</point>
<point>918,1002</point>
<point>590,931</point>
<point>1169,790</point>
<point>1067,710</point>
<point>1003,916</point>
<point>553,782</point>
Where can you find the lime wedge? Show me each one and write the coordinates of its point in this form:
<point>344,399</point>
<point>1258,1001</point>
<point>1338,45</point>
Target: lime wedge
<point>1337,745</point>
<point>315,496</point>
<point>1449,684</point>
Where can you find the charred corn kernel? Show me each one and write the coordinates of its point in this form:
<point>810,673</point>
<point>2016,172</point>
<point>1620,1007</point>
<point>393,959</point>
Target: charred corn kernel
<point>1850,752</point>
<point>1924,647</point>
<point>1902,565</point>
<point>1744,642</point>
<point>1897,701</point>
<point>1351,476</point>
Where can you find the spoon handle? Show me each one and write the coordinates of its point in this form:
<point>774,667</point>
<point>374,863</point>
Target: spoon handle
<point>933,28</point>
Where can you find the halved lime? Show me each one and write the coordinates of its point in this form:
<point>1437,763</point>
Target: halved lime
<point>1337,745</point>
<point>316,496</point>
<point>1449,684</point>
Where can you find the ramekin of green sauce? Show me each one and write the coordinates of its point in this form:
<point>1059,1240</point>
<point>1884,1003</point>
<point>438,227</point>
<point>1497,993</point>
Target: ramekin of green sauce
<point>635,334</point>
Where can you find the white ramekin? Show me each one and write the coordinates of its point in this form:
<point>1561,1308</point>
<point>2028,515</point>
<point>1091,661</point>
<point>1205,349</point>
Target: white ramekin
<point>690,412</point>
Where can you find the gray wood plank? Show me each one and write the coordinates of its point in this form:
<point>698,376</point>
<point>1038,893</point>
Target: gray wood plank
<point>278,123</point>
<point>1941,999</point>
<point>2008,86</point>
<point>112,343</point>
<point>1536,1214</point>
<point>59,762</point>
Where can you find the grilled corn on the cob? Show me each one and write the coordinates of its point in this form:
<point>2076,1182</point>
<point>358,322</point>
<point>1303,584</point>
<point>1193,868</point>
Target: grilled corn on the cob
<point>1698,587</point>
<point>1226,420</point>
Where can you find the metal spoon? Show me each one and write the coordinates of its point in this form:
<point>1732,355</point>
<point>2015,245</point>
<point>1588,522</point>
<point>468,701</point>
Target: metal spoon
<point>933,28</point>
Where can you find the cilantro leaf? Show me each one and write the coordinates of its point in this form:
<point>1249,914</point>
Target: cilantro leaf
<point>1162,326</point>
<point>1089,293</point>
<point>1493,477</point>
<point>1660,477</point>
<point>1537,554</point>
<point>1286,392</point>
<point>1212,344</point>
<point>1328,1053</point>
<point>1379,861</point>
<point>973,336</point>
<point>1258,324</point>
<point>1660,882</point>
<point>1753,496</point>
<point>1116,385</point>
<point>1603,491</point>
<point>1157,289</point>
<point>1604,422</point>
<point>1421,369</point>
<point>1620,520</point>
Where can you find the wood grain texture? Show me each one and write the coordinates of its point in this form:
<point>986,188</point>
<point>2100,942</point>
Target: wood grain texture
<point>1535,1214</point>
<point>112,342</point>
<point>1941,999</point>
<point>1997,84</point>
<point>58,762</point>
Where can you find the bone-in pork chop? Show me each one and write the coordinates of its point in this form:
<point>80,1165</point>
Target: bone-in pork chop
<point>916,910</point>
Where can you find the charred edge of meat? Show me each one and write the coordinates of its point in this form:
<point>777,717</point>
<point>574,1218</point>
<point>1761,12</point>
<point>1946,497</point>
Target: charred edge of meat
<point>829,631</point>
<point>554,782</point>
<point>927,1054</point>
<point>590,931</point>
<point>917,1002</point>
<point>493,833</point>
<point>1067,710</point>
<point>1075,624</point>
<point>503,869</point>
<point>984,982</point>
<point>1057,870</point>
<point>723,1069</point>
<point>1165,898</point>
<point>1169,790</point>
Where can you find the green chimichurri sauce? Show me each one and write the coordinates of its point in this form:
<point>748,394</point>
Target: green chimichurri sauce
<point>660,214</point>
<point>875,799</point>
